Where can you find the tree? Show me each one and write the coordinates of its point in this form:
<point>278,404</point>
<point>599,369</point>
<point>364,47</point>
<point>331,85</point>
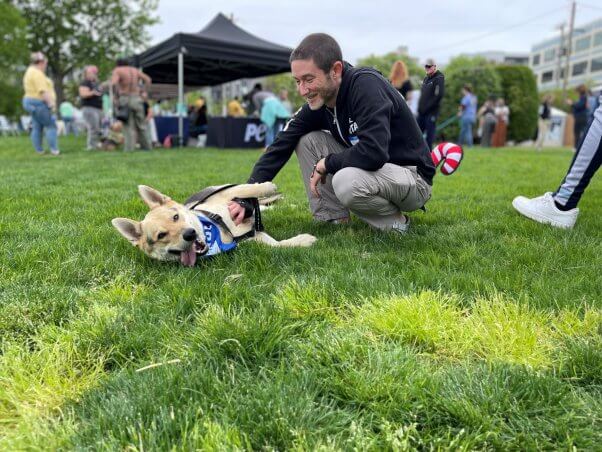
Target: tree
<point>476,71</point>
<point>74,33</point>
<point>519,90</point>
<point>13,58</point>
<point>383,64</point>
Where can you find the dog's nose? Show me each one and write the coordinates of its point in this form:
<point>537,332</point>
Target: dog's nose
<point>189,235</point>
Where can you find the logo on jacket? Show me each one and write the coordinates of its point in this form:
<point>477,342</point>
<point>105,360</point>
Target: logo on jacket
<point>352,126</point>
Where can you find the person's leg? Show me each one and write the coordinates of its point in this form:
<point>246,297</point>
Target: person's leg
<point>421,122</point>
<point>128,127</point>
<point>89,118</point>
<point>431,128</point>
<point>96,127</point>
<point>560,208</point>
<point>51,136</point>
<point>463,128</point>
<point>379,197</point>
<point>585,163</point>
<point>269,135</point>
<point>469,141</point>
<point>137,107</point>
<point>311,148</point>
<point>30,106</point>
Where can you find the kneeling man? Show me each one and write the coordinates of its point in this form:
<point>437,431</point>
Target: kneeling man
<point>357,142</point>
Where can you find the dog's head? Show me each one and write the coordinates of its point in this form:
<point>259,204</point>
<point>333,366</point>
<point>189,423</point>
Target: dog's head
<point>169,232</point>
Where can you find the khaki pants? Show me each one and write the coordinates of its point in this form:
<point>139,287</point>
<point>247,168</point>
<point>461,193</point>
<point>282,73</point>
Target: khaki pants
<point>543,125</point>
<point>135,128</point>
<point>376,197</point>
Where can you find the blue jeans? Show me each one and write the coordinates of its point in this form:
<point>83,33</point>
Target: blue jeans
<point>270,134</point>
<point>465,132</point>
<point>42,119</point>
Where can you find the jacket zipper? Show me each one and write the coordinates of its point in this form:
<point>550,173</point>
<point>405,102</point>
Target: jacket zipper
<point>336,121</point>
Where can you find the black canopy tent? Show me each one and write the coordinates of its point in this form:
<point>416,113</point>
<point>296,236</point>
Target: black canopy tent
<point>219,53</point>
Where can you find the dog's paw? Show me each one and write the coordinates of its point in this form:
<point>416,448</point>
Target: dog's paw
<point>304,240</point>
<point>268,188</point>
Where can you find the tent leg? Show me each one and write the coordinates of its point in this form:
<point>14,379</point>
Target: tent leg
<point>181,99</point>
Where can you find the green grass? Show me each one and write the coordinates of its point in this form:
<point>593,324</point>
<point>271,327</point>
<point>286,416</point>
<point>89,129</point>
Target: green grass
<point>478,330</point>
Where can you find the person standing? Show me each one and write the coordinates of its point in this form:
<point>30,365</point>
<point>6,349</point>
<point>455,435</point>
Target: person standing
<point>580,113</point>
<point>502,114</point>
<point>272,110</point>
<point>39,101</point>
<point>91,102</point>
<point>543,122</point>
<point>488,120</point>
<point>431,94</point>
<point>235,108</point>
<point>467,111</point>
<point>127,80</point>
<point>560,208</point>
<point>400,79</point>
<point>283,96</point>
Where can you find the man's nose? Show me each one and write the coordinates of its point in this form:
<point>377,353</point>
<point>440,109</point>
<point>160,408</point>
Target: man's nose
<point>303,91</point>
<point>189,235</point>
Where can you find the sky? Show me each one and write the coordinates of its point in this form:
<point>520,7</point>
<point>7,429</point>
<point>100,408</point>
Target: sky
<point>430,29</point>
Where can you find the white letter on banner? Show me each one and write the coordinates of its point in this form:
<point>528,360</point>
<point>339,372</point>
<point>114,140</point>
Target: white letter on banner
<point>250,131</point>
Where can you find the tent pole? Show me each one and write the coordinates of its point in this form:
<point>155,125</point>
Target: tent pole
<point>181,98</point>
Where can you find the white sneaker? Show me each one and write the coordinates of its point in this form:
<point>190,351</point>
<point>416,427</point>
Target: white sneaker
<point>543,210</point>
<point>55,152</point>
<point>401,228</point>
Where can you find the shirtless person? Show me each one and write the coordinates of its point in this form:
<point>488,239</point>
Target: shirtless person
<point>127,79</point>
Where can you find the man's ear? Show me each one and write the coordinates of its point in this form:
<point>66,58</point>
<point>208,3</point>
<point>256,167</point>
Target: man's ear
<point>152,197</point>
<point>337,70</point>
<point>130,229</point>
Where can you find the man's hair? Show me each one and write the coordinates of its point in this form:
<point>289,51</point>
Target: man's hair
<point>122,62</point>
<point>319,47</point>
<point>36,57</point>
<point>468,88</point>
<point>258,86</point>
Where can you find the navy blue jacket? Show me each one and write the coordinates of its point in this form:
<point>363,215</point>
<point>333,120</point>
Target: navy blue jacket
<point>371,119</point>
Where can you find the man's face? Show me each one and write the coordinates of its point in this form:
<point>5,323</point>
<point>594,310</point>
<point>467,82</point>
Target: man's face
<point>316,86</point>
<point>430,69</point>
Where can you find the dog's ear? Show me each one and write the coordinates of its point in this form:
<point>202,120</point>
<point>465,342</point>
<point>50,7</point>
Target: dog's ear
<point>130,229</point>
<point>152,197</point>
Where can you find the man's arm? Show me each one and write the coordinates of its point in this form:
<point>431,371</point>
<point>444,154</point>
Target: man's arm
<point>371,107</point>
<point>145,78</point>
<point>276,156</point>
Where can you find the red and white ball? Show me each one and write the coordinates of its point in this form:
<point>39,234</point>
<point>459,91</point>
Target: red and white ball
<point>450,154</point>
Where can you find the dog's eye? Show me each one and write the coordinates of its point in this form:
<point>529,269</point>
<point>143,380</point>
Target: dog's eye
<point>161,235</point>
<point>176,217</point>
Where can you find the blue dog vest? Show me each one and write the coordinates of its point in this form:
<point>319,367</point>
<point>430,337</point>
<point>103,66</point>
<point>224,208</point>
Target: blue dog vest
<point>213,238</point>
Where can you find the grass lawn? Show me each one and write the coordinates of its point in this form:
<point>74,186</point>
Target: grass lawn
<point>479,329</point>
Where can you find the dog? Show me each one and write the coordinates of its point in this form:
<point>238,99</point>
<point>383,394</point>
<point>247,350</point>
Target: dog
<point>202,226</point>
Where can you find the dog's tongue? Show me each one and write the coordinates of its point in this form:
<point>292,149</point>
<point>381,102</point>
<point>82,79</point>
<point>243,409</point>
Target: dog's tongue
<point>188,258</point>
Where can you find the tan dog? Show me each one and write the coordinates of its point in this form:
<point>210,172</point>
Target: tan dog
<point>176,232</point>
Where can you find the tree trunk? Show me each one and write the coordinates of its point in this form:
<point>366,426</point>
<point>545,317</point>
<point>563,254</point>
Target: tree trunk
<point>59,88</point>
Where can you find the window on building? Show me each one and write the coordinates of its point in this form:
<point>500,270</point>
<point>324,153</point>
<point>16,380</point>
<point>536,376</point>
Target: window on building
<point>596,64</point>
<point>547,76</point>
<point>598,39</point>
<point>579,68</point>
<point>549,55</point>
<point>535,60</point>
<point>583,44</point>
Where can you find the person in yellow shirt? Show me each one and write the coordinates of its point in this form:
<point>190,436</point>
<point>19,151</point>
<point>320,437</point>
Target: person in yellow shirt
<point>235,109</point>
<point>40,102</point>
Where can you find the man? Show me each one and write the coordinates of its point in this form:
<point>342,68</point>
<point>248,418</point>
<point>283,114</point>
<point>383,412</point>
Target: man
<point>560,208</point>
<point>91,102</point>
<point>467,111</point>
<point>372,159</point>
<point>431,94</point>
<point>127,81</point>
<point>39,101</point>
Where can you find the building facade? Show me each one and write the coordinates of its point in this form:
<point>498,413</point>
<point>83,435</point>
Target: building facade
<point>548,58</point>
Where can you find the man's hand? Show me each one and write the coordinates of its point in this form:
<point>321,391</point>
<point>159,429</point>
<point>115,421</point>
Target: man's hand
<point>237,212</point>
<point>317,175</point>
